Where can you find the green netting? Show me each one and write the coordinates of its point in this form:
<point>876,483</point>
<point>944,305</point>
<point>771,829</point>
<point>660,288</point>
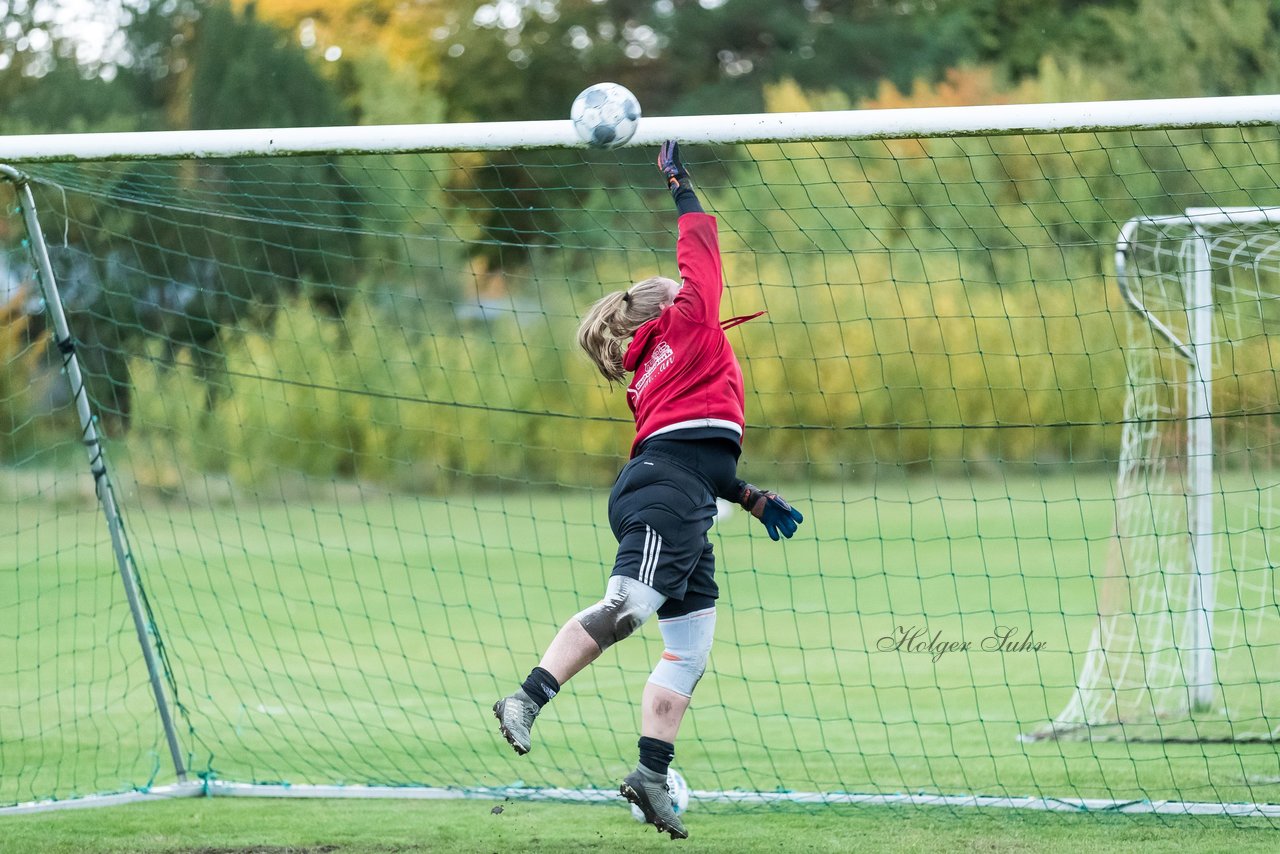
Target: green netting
<point>363,471</point>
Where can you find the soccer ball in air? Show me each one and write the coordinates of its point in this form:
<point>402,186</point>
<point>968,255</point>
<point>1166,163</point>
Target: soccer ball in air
<point>605,115</point>
<point>679,795</point>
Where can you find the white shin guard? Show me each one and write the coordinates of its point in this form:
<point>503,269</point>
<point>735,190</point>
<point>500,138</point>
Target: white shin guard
<point>688,642</point>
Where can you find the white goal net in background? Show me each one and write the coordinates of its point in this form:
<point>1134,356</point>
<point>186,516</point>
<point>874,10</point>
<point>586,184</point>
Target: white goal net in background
<point>352,472</point>
<point>1182,651</point>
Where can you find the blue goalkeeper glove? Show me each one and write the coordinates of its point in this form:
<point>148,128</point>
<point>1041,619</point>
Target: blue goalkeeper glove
<point>780,519</point>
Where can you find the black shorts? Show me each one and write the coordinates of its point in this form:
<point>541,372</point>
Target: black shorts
<point>660,511</point>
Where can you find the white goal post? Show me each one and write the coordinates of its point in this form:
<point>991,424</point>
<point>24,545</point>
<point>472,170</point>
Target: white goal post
<point>1193,279</point>
<point>1197,351</point>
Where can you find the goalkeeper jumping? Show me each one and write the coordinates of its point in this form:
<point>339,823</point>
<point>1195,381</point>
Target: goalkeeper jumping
<point>687,397</point>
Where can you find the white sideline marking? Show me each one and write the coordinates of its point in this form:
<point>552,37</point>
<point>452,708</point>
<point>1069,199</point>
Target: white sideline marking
<point>259,790</point>
<point>157,793</point>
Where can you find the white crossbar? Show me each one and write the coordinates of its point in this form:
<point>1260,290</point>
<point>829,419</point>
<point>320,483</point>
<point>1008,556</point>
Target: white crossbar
<point>1003,119</point>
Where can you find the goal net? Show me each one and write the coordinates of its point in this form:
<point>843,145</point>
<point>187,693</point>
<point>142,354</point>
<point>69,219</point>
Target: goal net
<point>349,473</point>
<point>1181,651</point>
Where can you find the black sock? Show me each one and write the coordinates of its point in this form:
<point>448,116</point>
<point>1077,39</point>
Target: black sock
<point>541,686</point>
<point>656,755</point>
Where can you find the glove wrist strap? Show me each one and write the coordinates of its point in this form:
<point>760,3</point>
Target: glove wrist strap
<point>686,199</point>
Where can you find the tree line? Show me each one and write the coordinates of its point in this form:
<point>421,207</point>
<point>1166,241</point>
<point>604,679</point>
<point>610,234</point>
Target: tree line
<point>210,64</point>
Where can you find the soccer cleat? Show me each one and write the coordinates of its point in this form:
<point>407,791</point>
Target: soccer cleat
<point>515,714</point>
<point>648,791</point>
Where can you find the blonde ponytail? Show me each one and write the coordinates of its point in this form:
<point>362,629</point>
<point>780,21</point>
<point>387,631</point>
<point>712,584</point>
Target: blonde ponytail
<point>607,329</point>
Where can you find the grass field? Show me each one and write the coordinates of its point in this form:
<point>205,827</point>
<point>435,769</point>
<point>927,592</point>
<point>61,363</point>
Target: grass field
<point>381,827</point>
<point>348,636</point>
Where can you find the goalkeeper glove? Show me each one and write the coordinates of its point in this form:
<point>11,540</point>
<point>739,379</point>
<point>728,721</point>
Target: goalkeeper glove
<point>669,165</point>
<point>779,517</point>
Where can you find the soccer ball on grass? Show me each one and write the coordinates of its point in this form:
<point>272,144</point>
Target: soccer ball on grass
<point>679,790</point>
<point>605,115</point>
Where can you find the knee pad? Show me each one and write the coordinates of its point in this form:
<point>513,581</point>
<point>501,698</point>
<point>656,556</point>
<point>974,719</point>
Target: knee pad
<point>627,603</point>
<point>688,642</point>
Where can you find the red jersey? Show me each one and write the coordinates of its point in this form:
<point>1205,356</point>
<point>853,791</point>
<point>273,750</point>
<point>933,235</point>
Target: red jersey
<point>686,374</point>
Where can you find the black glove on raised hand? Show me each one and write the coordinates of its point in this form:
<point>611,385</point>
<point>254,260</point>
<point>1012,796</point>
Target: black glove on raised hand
<point>779,518</point>
<point>670,165</point>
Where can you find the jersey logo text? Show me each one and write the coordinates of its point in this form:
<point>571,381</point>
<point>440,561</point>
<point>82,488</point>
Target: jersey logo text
<point>658,362</point>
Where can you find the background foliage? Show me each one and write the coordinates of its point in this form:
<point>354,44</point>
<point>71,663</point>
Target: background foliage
<point>181,64</point>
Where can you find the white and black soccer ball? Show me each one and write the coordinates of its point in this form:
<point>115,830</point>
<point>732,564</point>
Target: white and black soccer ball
<point>605,115</point>
<point>679,795</point>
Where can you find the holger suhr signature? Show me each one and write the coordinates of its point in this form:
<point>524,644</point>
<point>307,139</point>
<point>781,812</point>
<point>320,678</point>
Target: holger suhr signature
<point>919,640</point>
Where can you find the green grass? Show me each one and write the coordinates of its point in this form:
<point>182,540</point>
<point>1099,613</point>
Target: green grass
<point>350,636</point>
<point>311,827</point>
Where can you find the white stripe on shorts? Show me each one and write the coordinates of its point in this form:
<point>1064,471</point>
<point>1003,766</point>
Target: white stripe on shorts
<point>644,553</point>
<point>649,558</point>
<point>657,551</point>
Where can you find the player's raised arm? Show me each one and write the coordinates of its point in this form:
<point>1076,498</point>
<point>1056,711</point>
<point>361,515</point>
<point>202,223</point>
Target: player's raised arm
<point>698,247</point>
